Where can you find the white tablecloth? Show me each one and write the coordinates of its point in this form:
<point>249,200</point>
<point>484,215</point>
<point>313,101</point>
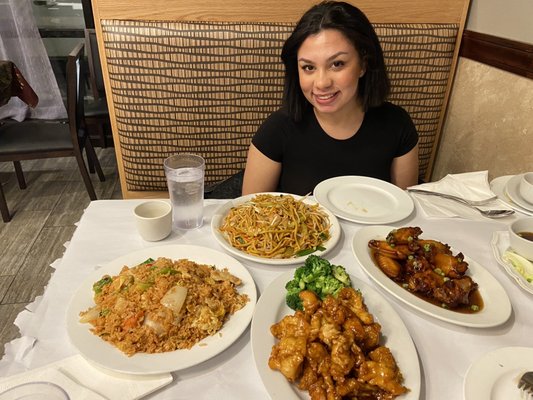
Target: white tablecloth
<point>107,231</point>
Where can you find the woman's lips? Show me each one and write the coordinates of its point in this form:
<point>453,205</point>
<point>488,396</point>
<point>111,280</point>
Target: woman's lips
<point>325,99</point>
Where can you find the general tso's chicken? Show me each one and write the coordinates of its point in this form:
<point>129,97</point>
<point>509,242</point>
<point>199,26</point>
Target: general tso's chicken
<point>353,300</point>
<point>381,370</point>
<point>325,347</point>
<point>288,354</point>
<point>455,291</point>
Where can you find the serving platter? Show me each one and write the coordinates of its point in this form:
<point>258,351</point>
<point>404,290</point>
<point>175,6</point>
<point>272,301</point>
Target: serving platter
<point>271,308</point>
<point>223,210</point>
<point>107,356</point>
<point>364,200</point>
<point>497,306</point>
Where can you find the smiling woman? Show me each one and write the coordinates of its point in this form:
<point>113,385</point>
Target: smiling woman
<point>334,120</point>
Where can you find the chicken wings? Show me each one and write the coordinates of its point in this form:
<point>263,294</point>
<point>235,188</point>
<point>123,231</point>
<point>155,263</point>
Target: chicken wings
<point>332,349</point>
<point>427,268</point>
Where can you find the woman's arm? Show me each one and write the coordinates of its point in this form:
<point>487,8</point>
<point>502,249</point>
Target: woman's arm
<point>404,169</point>
<point>261,173</point>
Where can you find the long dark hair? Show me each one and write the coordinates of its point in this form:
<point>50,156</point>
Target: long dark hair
<point>374,85</point>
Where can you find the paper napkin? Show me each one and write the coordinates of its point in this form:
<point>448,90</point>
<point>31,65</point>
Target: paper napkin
<point>469,186</point>
<point>83,381</point>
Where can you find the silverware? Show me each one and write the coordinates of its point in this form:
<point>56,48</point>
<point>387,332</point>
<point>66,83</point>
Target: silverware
<point>526,383</point>
<point>468,203</point>
<point>452,197</point>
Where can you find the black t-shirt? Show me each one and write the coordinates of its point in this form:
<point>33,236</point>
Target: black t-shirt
<point>309,155</point>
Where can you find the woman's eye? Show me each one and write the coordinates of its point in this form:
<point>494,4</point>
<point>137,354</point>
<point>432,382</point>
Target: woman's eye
<point>338,64</point>
<point>307,67</point>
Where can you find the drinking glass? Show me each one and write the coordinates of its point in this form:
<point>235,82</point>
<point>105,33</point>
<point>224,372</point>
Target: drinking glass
<point>185,180</point>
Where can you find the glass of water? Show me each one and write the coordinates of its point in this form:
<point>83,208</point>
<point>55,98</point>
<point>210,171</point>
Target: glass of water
<point>185,180</point>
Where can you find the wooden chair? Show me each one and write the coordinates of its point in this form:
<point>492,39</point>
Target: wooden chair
<point>37,139</point>
<point>200,77</point>
<point>96,111</point>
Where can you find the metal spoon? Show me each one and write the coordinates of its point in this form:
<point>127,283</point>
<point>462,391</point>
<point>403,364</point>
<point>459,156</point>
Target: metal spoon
<point>486,213</point>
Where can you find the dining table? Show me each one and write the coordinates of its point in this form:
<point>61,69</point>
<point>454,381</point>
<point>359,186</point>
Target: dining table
<point>445,350</point>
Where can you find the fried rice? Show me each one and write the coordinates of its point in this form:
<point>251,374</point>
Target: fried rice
<point>136,311</point>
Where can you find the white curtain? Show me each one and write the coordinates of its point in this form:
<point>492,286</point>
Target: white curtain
<point>21,43</point>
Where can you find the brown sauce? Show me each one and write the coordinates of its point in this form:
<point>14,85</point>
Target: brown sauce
<point>526,235</point>
<point>474,299</point>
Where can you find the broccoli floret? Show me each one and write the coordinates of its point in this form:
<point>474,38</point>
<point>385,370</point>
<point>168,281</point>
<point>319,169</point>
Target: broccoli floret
<point>340,273</point>
<point>317,275</point>
<point>292,298</point>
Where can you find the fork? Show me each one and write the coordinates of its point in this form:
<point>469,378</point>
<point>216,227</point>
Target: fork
<point>526,383</point>
<point>468,203</point>
<point>452,197</point>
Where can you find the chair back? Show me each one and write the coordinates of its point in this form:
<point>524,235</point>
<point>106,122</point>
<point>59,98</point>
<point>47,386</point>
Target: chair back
<point>75,93</point>
<point>201,76</point>
<point>96,79</point>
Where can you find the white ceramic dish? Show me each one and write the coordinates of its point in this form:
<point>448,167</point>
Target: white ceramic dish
<point>497,185</point>
<point>512,190</point>
<point>497,306</point>
<point>495,375</point>
<point>222,211</point>
<point>271,308</point>
<point>364,200</point>
<point>107,356</point>
<point>500,244</point>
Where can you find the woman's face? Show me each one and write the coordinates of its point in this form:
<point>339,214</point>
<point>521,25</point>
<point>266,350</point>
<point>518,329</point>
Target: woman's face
<point>329,69</point>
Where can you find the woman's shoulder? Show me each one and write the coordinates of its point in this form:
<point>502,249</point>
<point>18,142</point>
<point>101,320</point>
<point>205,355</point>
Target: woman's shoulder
<point>389,108</point>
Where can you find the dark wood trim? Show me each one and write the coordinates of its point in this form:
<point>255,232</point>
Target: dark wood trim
<point>61,33</point>
<point>505,54</point>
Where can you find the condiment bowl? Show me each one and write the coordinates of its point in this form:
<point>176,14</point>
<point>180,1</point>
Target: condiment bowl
<point>521,237</point>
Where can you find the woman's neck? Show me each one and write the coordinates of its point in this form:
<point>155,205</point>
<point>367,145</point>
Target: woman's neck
<point>343,124</point>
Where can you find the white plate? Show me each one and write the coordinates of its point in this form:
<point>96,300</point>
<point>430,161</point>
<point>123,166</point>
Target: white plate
<point>495,375</point>
<point>512,190</point>
<point>497,306</point>
<point>500,244</point>
<point>222,211</point>
<point>364,200</point>
<point>107,356</point>
<point>271,308</point>
<point>497,185</point>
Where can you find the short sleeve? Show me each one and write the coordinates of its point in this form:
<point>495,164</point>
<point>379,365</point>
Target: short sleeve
<point>270,137</point>
<point>409,135</point>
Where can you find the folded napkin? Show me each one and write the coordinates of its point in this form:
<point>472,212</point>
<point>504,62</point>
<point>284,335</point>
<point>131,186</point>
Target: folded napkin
<point>469,186</point>
<point>83,381</point>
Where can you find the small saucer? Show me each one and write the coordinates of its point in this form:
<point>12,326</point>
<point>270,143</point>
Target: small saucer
<point>514,194</point>
<point>497,185</point>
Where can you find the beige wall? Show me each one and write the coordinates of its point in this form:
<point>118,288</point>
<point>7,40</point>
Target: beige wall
<point>489,123</point>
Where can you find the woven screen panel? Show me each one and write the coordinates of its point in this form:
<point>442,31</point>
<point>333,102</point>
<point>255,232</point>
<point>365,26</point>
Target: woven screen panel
<point>419,60</point>
<point>199,88</point>
<point>206,87</point>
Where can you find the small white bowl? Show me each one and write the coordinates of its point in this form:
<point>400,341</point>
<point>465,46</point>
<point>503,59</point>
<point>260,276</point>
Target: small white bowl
<point>519,244</point>
<point>35,391</point>
<point>526,187</point>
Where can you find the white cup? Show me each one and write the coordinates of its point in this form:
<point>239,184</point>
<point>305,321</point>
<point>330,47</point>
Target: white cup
<point>153,219</point>
<point>526,187</point>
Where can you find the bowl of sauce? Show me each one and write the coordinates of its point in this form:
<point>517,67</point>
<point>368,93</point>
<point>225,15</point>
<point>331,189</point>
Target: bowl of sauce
<point>521,237</point>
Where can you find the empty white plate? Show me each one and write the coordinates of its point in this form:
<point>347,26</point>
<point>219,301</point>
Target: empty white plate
<point>364,200</point>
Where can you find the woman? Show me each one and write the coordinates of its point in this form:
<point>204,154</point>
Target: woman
<point>335,120</point>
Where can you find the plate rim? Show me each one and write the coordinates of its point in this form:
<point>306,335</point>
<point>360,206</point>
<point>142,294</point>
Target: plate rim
<point>511,188</point>
<point>82,297</point>
<point>221,211</point>
<point>483,363</point>
<point>282,389</point>
<point>479,320</point>
<point>392,189</point>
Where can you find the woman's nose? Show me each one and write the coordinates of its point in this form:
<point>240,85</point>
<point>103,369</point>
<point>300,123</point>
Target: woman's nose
<point>323,80</point>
